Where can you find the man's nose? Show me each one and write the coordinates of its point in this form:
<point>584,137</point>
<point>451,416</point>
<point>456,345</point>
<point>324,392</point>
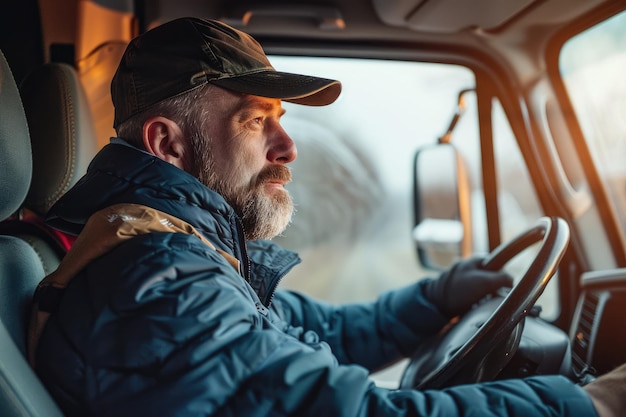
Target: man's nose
<point>282,148</point>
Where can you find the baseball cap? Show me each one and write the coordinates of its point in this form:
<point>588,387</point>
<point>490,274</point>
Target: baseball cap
<point>185,53</point>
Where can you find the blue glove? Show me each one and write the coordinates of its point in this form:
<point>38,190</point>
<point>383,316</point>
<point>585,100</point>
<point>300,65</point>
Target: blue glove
<point>463,285</point>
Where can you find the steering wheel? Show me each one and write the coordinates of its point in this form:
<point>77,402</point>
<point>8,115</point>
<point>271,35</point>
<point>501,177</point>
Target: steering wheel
<point>480,344</point>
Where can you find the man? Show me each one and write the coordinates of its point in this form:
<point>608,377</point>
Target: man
<point>167,303</point>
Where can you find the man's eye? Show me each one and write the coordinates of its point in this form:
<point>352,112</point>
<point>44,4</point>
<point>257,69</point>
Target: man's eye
<point>256,122</point>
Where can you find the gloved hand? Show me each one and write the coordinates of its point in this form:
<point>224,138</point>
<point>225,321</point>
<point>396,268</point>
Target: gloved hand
<point>608,393</point>
<point>463,285</point>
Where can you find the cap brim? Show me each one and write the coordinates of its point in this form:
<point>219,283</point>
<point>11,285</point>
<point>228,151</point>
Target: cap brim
<point>294,88</point>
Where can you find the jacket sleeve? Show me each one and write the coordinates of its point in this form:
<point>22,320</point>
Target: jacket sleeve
<point>540,396</point>
<point>370,334</point>
<point>308,390</point>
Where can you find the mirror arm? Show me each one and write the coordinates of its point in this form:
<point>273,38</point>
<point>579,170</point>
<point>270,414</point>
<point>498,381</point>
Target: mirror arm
<point>460,109</point>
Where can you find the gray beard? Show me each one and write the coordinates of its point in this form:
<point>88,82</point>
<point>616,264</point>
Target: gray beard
<point>263,216</point>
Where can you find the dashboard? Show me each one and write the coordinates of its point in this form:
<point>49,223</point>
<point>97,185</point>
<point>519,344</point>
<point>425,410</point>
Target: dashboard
<point>597,333</point>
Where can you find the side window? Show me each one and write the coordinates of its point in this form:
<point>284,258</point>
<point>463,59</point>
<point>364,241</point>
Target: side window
<point>353,178</point>
<point>518,205</point>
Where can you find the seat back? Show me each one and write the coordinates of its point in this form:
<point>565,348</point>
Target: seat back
<point>62,134</point>
<point>63,142</point>
<point>21,392</point>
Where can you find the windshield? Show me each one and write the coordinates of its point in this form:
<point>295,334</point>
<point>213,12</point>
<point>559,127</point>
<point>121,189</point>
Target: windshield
<point>592,65</point>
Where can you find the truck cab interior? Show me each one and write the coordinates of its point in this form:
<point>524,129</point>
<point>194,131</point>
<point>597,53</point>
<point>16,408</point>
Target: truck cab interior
<point>465,128</point>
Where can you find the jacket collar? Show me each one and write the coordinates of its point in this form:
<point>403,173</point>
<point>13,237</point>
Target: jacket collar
<point>123,174</point>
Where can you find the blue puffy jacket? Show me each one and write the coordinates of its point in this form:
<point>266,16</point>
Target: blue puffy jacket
<point>162,325</point>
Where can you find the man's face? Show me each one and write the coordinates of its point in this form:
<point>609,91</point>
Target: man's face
<point>242,154</point>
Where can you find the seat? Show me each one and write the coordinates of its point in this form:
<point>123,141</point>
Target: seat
<point>21,392</point>
<point>63,142</point>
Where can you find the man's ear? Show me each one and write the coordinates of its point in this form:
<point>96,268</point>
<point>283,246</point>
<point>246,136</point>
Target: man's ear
<point>164,139</point>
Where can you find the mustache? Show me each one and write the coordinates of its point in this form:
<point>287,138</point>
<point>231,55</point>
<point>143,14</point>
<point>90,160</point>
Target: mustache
<point>274,173</point>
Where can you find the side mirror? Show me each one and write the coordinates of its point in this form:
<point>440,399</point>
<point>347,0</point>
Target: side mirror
<point>442,206</point>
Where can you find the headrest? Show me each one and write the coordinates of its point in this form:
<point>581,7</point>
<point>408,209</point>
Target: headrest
<point>15,157</point>
<point>62,133</point>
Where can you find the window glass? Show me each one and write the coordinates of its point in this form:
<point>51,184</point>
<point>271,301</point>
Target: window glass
<point>352,180</point>
<point>518,204</point>
<point>592,65</point>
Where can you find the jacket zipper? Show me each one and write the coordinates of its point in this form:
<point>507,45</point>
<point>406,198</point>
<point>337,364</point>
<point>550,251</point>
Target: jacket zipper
<point>271,288</point>
<point>275,280</point>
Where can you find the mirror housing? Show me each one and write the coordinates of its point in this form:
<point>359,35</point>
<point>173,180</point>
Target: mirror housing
<point>442,206</point>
